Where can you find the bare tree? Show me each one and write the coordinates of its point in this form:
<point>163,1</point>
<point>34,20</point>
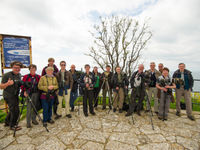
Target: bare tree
<point>119,41</point>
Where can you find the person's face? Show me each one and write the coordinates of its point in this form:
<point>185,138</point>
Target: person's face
<point>141,68</point>
<point>95,69</point>
<point>181,67</point>
<point>152,66</point>
<point>87,68</point>
<point>72,67</point>
<point>51,63</point>
<point>16,69</point>
<point>108,69</point>
<point>50,72</point>
<point>118,70</point>
<point>32,71</point>
<point>63,66</point>
<point>160,67</point>
<point>165,73</point>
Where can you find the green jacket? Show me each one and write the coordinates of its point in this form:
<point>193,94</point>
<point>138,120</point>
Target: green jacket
<point>46,81</point>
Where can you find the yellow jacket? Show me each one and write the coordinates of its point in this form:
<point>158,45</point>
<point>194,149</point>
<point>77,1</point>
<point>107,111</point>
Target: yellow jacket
<point>46,81</point>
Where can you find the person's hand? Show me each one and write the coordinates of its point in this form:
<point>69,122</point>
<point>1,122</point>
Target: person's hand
<point>167,86</point>
<point>164,89</point>
<point>87,85</point>
<point>126,87</point>
<point>117,88</point>
<point>50,87</point>
<point>10,82</point>
<point>25,94</point>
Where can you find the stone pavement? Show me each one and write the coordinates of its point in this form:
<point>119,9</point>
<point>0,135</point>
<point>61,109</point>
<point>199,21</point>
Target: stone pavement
<point>111,131</point>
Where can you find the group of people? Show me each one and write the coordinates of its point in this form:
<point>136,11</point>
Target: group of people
<point>54,86</point>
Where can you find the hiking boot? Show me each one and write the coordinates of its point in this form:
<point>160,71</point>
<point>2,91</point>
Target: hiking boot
<point>45,124</point>
<point>57,116</point>
<point>35,122</point>
<point>178,114</point>
<point>114,109</point>
<point>128,114</point>
<point>51,121</point>
<point>86,114</point>
<point>120,110</point>
<point>72,109</point>
<point>93,113</point>
<point>69,116</point>
<point>160,117</point>
<point>28,125</point>
<point>191,118</point>
<point>138,112</point>
<point>104,107</point>
<point>110,107</point>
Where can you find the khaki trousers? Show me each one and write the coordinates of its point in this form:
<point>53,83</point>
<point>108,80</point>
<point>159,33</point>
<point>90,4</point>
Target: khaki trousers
<point>187,97</point>
<point>153,92</point>
<point>67,106</point>
<point>118,98</point>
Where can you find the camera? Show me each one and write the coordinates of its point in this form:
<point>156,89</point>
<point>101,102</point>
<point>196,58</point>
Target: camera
<point>26,84</point>
<point>165,82</point>
<point>178,81</point>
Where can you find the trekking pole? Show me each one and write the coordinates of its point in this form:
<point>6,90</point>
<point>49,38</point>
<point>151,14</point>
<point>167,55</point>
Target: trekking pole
<point>110,96</point>
<point>99,92</point>
<point>18,120</point>
<point>151,113</point>
<point>114,99</point>
<point>35,110</point>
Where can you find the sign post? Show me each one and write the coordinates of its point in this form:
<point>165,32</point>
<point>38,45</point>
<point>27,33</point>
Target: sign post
<point>15,48</point>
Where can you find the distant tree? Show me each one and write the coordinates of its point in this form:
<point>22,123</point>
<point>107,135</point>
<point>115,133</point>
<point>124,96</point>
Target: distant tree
<point>119,41</point>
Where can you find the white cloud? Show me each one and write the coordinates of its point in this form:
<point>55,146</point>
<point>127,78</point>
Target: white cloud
<point>60,28</point>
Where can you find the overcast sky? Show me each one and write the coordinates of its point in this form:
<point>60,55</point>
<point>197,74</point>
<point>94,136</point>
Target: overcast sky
<point>59,28</point>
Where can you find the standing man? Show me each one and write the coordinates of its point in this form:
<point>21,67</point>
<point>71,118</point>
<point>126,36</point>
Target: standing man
<point>152,90</point>
<point>87,82</point>
<point>65,82</point>
<point>11,87</point>
<point>74,91</point>
<point>120,82</point>
<point>97,86</point>
<point>33,93</point>
<point>51,62</point>
<point>184,84</point>
<point>160,67</point>
<point>107,87</point>
<point>138,91</point>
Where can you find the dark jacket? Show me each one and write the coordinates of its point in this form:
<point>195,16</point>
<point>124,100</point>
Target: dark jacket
<point>83,83</point>
<point>109,78</point>
<point>132,81</point>
<point>54,72</point>
<point>115,82</point>
<point>68,82</point>
<point>14,89</point>
<point>76,78</point>
<point>188,79</point>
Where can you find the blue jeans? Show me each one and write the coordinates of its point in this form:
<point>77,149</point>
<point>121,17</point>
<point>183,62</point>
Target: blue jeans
<point>73,97</point>
<point>47,109</point>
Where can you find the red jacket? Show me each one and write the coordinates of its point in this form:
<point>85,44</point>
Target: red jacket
<point>28,78</point>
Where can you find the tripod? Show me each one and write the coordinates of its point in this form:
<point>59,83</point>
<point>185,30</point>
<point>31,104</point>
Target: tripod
<point>129,100</point>
<point>150,113</point>
<point>35,111</point>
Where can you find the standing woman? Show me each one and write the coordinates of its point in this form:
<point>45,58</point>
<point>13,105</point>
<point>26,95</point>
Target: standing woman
<point>48,85</point>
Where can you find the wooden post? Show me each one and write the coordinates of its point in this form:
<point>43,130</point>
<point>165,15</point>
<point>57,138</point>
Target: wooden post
<point>2,67</point>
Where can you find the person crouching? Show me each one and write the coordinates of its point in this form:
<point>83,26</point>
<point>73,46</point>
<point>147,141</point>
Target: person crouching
<point>48,85</point>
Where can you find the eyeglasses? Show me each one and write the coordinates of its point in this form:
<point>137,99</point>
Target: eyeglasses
<point>17,68</point>
<point>63,65</point>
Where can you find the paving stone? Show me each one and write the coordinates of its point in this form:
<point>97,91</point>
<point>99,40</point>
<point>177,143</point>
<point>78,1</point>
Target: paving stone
<point>23,139</point>
<point>115,145</point>
<point>52,143</point>
<point>93,135</point>
<point>67,137</point>
<point>156,138</point>
<point>6,141</point>
<point>188,143</point>
<point>77,143</point>
<point>154,146</point>
<point>21,147</point>
<point>128,138</point>
<point>92,145</point>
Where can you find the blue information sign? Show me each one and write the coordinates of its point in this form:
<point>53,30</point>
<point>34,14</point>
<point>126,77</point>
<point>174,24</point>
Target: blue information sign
<point>16,49</point>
